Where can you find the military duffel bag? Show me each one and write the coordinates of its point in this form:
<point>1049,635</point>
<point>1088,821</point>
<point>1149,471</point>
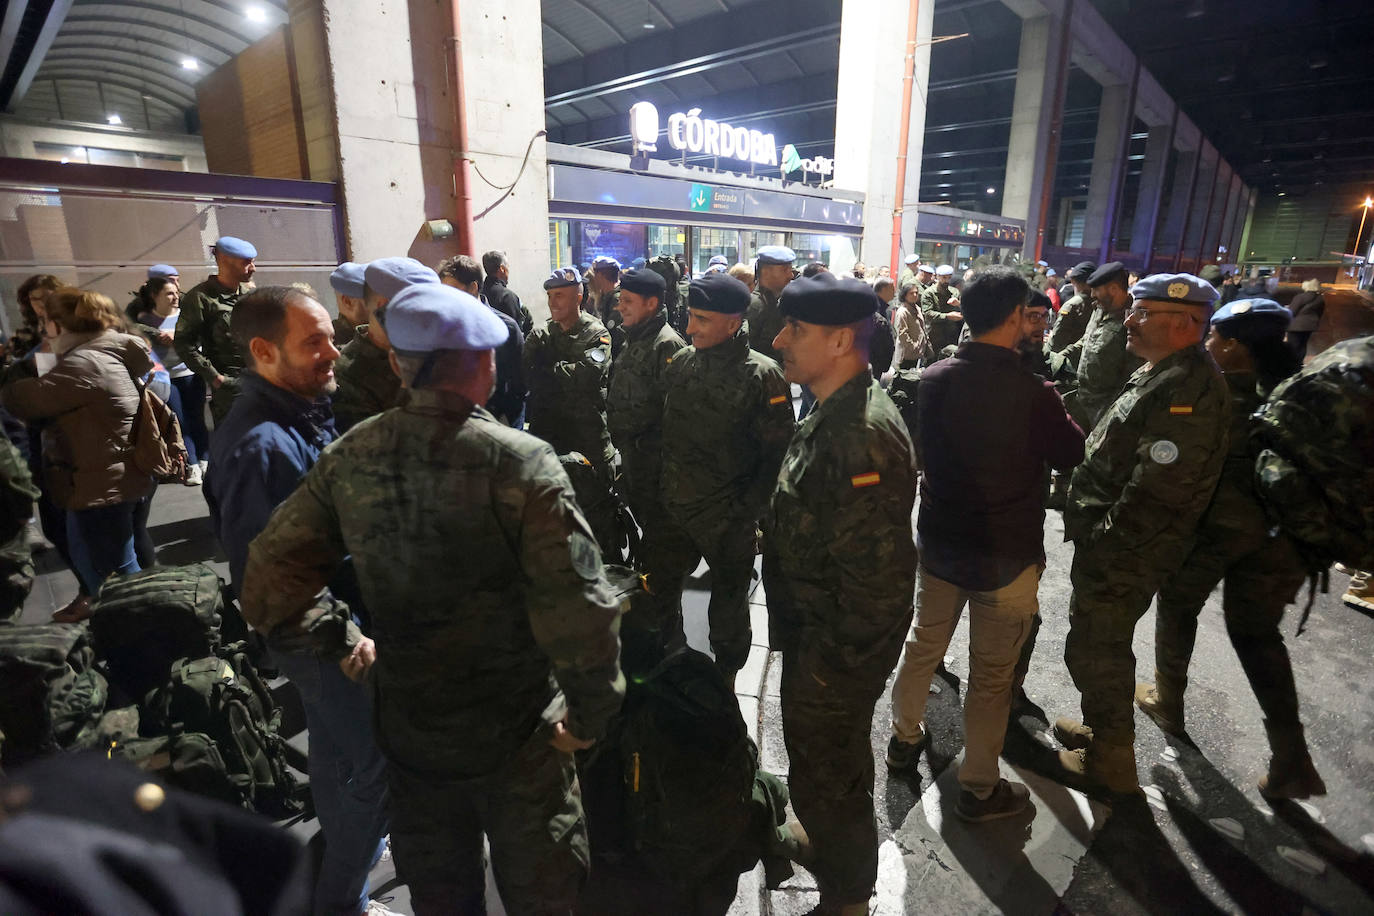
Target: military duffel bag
<point>143,622</point>
<point>51,696</point>
<point>189,761</point>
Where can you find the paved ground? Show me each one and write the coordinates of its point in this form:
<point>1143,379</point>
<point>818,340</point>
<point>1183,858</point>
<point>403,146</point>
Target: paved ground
<point>1162,853</point>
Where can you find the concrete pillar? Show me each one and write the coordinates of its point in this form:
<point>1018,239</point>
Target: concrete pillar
<point>1251,199</point>
<point>868,116</point>
<point>1150,199</point>
<point>1115,120</point>
<point>1036,120</point>
<point>1176,220</point>
<point>1216,213</point>
<point>379,119</point>
<point>1199,207</point>
<point>1228,228</point>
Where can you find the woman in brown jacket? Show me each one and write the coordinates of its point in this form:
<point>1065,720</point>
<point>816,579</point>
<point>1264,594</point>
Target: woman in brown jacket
<point>91,397</point>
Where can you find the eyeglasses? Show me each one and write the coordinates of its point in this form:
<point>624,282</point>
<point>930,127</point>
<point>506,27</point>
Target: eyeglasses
<point>1137,311</point>
<point>1037,317</point>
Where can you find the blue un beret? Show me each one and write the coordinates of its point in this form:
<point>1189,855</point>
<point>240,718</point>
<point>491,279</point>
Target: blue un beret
<point>347,279</point>
<point>1248,311</point>
<point>1184,289</point>
<point>644,282</point>
<point>718,292</point>
<point>828,299</point>
<point>776,254</point>
<point>235,248</point>
<point>162,270</point>
<point>718,259</point>
<point>563,276</point>
<point>388,276</point>
<point>425,317</point>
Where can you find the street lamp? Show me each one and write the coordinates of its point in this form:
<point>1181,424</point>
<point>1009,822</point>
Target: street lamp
<point>1368,202</point>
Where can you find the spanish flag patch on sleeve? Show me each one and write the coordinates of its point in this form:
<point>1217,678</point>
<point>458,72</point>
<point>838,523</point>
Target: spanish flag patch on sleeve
<point>865,480</point>
<point>605,338</point>
<point>780,399</point>
<point>1181,410</point>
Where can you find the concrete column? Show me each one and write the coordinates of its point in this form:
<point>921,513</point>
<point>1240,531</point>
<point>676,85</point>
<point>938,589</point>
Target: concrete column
<point>379,119</point>
<point>1251,200</point>
<point>1150,198</point>
<point>1115,119</point>
<point>1199,206</point>
<point>1216,213</point>
<point>1228,227</point>
<point>868,116</point>
<point>1176,220</point>
<point>1036,120</point>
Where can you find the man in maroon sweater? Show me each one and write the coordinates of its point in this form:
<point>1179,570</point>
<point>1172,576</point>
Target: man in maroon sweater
<point>986,428</point>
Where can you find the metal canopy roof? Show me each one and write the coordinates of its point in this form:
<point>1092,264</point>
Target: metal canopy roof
<point>88,60</point>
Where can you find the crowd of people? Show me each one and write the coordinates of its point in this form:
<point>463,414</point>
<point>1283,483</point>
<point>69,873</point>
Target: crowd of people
<point>427,428</point>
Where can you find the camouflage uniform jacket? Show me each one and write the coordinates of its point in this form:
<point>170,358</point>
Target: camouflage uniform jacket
<point>940,331</point>
<point>566,373</point>
<point>1153,462</point>
<point>1235,505</point>
<point>727,420</point>
<point>486,590</point>
<point>367,386</point>
<point>17,493</point>
<point>1103,364</point>
<point>1070,323</point>
<point>634,402</point>
<point>203,330</point>
<point>839,557</point>
<point>764,321</point>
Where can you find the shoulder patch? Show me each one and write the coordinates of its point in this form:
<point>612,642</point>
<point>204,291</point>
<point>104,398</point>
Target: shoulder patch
<point>596,356</point>
<point>780,399</point>
<point>865,480</point>
<point>1181,410</point>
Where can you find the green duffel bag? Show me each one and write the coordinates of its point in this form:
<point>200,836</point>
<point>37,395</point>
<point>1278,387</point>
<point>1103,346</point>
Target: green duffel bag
<point>53,697</point>
<point>190,761</point>
<point>142,623</point>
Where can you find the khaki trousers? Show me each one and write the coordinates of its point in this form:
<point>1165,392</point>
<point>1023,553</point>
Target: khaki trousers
<point>999,622</point>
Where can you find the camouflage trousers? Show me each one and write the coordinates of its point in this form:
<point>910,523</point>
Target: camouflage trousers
<point>531,813</point>
<point>728,546</point>
<point>827,729</point>
<point>656,612</point>
<point>1111,592</point>
<point>1261,576</point>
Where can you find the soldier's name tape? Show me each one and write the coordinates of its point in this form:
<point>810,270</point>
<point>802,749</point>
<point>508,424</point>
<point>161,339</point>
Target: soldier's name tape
<point>865,480</point>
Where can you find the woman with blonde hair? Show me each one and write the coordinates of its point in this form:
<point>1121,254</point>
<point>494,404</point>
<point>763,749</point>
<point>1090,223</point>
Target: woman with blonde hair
<point>90,396</point>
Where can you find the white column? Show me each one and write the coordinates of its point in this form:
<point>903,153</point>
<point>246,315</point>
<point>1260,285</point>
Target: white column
<point>868,115</point>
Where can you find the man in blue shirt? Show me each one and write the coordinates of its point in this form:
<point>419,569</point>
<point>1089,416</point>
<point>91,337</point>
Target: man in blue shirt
<point>271,437</point>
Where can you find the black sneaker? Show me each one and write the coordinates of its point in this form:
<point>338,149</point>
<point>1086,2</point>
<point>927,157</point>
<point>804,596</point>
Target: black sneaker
<point>1007,800</point>
<point>901,755</point>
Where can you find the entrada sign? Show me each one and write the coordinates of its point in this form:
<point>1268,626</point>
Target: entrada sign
<point>693,133</point>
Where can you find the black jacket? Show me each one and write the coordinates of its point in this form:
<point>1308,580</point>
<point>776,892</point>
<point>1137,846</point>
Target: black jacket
<point>1307,308</point>
<point>500,297</point>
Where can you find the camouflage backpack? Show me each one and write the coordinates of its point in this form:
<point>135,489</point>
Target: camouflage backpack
<point>223,698</point>
<point>1315,470</point>
<point>53,697</point>
<point>902,389</point>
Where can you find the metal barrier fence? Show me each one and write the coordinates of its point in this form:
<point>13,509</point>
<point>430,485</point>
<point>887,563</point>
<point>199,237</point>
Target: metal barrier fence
<point>100,227</point>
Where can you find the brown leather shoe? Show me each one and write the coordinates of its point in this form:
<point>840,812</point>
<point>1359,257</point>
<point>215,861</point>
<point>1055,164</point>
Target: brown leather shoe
<point>1073,734</point>
<point>1164,709</point>
<point>77,611</point>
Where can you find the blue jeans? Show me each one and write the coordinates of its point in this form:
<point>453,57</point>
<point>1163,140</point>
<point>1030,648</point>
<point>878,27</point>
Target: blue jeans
<point>188,403</point>
<point>101,542</point>
<point>347,779</point>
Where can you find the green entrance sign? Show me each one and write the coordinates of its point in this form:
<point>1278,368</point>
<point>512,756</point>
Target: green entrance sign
<point>700,199</point>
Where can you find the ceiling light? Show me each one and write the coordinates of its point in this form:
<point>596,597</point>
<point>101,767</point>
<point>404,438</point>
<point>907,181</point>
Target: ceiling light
<point>1196,10</point>
<point>190,63</point>
<point>992,190</point>
<point>65,160</point>
<point>114,119</point>
<point>1283,193</point>
<point>256,14</point>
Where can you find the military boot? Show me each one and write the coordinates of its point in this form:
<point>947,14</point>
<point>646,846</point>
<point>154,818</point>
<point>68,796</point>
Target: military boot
<point>1163,702</point>
<point>1291,771</point>
<point>1073,734</point>
<point>1109,766</point>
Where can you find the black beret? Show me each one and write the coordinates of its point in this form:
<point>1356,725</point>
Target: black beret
<point>1107,273</point>
<point>828,299</point>
<point>1081,271</point>
<point>718,292</point>
<point>644,282</point>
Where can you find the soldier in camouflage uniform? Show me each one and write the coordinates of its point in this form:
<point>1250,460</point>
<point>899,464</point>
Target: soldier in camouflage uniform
<point>771,277</point>
<point>566,363</point>
<point>367,386</point>
<point>1104,364</point>
<point>940,308</point>
<point>726,423</point>
<point>634,412</point>
<point>1072,319</point>
<point>603,288</point>
<point>202,332</point>
<point>1262,571</point>
<point>488,677</point>
<point>839,569</point>
<point>1133,508</point>
<point>17,493</point>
